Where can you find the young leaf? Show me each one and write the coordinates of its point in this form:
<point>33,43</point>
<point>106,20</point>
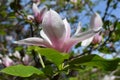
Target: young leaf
<point>95,60</point>
<point>52,55</point>
<point>22,71</point>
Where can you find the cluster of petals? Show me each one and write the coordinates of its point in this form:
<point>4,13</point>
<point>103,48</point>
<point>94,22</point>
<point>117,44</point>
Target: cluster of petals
<point>38,13</point>
<point>97,39</point>
<point>95,23</point>
<point>7,61</point>
<point>56,33</point>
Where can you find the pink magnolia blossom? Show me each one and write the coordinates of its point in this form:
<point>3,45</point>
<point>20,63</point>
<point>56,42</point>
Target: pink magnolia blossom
<point>17,54</point>
<point>26,59</point>
<point>56,33</point>
<point>7,61</point>
<point>30,17</point>
<point>38,13</point>
<point>95,23</point>
<point>97,39</point>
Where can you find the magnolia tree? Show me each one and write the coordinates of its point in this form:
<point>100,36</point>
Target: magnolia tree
<point>47,46</point>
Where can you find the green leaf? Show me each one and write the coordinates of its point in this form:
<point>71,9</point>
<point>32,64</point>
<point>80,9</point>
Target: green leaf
<point>97,61</point>
<point>118,25</point>
<point>2,32</point>
<point>11,15</point>
<point>22,71</point>
<point>3,13</point>
<point>52,55</point>
<point>105,50</point>
<point>48,70</point>
<point>73,78</point>
<point>18,48</point>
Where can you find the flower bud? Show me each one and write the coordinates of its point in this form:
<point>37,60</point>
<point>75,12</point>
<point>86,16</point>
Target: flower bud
<point>30,17</point>
<point>97,39</point>
<point>7,61</point>
<point>17,54</point>
<point>26,59</point>
<point>39,13</point>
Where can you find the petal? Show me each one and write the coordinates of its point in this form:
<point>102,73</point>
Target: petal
<point>78,29</point>
<point>43,10</point>
<point>67,28</point>
<point>68,45</point>
<point>7,61</point>
<point>54,28</point>
<point>76,39</point>
<point>87,42</point>
<point>44,36</point>
<point>85,35</point>
<point>33,41</point>
<point>40,15</point>
<point>26,59</point>
<point>35,9</point>
<point>97,39</point>
<point>96,22</point>
<point>30,17</point>
<point>17,54</point>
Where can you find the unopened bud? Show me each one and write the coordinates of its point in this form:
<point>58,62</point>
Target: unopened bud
<point>7,61</point>
<point>97,39</point>
<point>30,17</point>
<point>17,55</point>
<point>26,59</point>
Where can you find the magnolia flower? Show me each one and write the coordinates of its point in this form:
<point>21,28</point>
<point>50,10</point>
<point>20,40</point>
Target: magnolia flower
<point>17,55</point>
<point>97,39</point>
<point>95,23</point>
<point>56,33</point>
<point>26,59</point>
<point>38,14</point>
<point>7,61</point>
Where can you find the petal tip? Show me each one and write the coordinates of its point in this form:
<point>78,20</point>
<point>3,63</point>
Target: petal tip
<point>35,9</point>
<point>96,21</point>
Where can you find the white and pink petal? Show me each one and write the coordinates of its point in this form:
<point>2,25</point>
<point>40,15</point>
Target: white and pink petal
<point>67,28</point>
<point>54,27</point>
<point>44,36</point>
<point>36,11</point>
<point>33,41</point>
<point>78,30</point>
<point>96,22</point>
<point>87,42</point>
